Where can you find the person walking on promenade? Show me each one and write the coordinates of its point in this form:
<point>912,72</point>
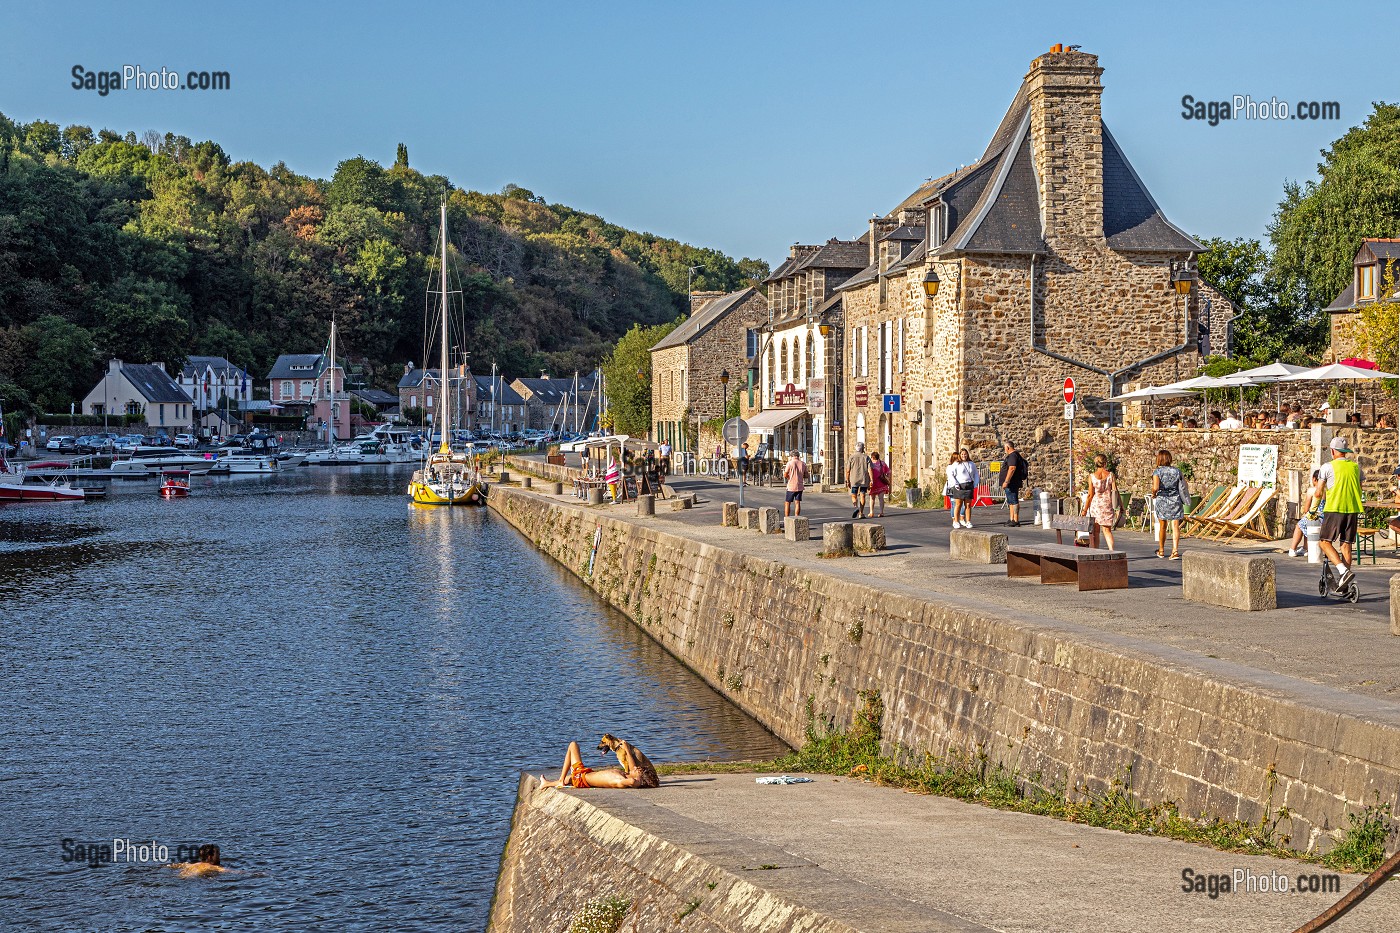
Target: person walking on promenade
<point>1340,482</point>
<point>664,453</point>
<point>1103,498</point>
<point>879,484</point>
<point>962,474</point>
<point>858,479</point>
<point>1167,503</point>
<point>1013,477</point>
<point>796,475</point>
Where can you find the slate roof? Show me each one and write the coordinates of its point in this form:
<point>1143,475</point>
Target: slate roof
<point>154,383</point>
<point>1387,252</point>
<point>869,274</point>
<point>916,255</point>
<point>993,205</point>
<point>701,320</point>
<point>375,397</point>
<point>197,365</point>
<point>1383,248</point>
<point>837,254</point>
<point>413,378</point>
<point>1346,300</point>
<point>297,366</point>
<point>783,269</point>
<point>505,395</point>
<point>1131,218</point>
<point>554,390</point>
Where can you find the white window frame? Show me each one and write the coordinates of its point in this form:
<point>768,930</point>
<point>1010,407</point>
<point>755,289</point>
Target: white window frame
<point>865,350</point>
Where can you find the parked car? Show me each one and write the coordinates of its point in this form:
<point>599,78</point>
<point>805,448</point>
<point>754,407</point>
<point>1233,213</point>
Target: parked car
<point>161,440</point>
<point>186,441</point>
<point>61,442</point>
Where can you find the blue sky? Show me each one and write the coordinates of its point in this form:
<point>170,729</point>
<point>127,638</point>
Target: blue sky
<point>743,126</point>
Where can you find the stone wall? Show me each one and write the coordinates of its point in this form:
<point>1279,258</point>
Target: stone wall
<point>668,403</point>
<point>791,646</point>
<point>1214,455</point>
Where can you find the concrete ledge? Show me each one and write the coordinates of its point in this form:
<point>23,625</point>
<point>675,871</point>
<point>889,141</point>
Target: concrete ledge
<point>1229,580</point>
<point>797,528</point>
<point>868,536</point>
<point>978,547</point>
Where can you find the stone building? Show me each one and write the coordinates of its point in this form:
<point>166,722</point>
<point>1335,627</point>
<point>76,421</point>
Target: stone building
<point>790,387</point>
<point>1045,258</point>
<point>1375,275</point>
<point>421,388</point>
<point>559,404</point>
<point>721,335</point>
<point>141,389</point>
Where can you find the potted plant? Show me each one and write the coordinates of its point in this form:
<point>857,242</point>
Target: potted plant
<point>912,493</point>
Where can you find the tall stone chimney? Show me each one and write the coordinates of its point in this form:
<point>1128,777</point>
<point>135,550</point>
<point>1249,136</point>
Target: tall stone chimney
<point>1067,138</point>
<point>698,300</point>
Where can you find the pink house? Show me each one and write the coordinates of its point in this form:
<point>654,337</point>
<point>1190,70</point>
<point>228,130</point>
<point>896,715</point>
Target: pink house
<point>302,383</point>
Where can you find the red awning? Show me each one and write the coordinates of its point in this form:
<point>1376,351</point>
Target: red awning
<point>1358,363</point>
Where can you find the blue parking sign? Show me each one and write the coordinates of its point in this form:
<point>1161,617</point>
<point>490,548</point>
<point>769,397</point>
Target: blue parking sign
<point>891,402</point>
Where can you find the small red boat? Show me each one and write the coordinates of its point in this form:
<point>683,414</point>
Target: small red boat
<point>175,484</point>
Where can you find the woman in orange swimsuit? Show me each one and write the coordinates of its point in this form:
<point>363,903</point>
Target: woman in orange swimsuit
<point>576,774</point>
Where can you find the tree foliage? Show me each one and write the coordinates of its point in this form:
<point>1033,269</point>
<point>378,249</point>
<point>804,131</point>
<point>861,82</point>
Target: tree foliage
<point>1273,323</point>
<point>154,249</point>
<point>627,378</point>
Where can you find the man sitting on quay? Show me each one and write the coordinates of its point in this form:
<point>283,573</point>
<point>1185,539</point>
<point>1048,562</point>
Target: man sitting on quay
<point>1340,482</point>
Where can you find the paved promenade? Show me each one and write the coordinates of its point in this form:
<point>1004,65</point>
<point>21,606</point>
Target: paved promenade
<point>1308,640</point>
<point>881,859</point>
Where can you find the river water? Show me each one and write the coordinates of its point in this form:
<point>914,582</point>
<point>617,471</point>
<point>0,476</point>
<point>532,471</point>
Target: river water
<point>335,688</point>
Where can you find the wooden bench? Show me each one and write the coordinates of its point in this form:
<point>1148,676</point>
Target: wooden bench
<point>1076,524</point>
<point>1088,568</point>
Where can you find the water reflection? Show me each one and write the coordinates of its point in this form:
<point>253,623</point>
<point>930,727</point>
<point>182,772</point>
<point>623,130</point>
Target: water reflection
<point>337,689</point>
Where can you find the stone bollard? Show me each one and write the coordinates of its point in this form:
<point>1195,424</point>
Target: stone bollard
<point>748,518</point>
<point>526,482</point>
<point>682,502</point>
<point>768,521</point>
<point>868,536</point>
<point>979,547</point>
<point>797,528</point>
<point>836,539</point>
<point>556,489</point>
<point>1395,604</point>
<point>1235,581</point>
<point>729,515</point>
<point>595,495</point>
<point>505,477</point>
<point>646,505</point>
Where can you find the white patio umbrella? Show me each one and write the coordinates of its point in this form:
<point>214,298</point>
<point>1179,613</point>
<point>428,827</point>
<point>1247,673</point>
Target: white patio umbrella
<point>1271,373</point>
<point>1339,372</point>
<point>1151,394</point>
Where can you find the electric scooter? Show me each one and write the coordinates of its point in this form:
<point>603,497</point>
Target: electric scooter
<point>1327,584</point>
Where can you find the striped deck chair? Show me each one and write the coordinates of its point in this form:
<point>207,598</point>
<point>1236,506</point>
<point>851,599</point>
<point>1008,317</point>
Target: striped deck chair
<point>1204,507</point>
<point>1200,518</point>
<point>1221,523</point>
<point>1252,523</point>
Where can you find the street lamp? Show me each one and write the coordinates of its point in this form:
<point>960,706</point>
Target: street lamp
<point>931,282</point>
<point>1182,276</point>
<point>723,392</point>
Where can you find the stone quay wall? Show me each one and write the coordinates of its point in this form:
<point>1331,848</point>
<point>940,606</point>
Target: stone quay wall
<point>794,647</point>
<point>543,470</point>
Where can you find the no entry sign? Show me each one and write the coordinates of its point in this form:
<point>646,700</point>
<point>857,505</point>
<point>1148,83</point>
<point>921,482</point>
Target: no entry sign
<point>1069,391</point>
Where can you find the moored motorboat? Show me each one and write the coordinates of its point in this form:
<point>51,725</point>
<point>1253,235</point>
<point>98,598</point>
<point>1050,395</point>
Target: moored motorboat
<point>153,461</point>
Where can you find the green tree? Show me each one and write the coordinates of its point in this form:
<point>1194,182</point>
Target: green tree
<point>1320,225</point>
<point>401,157</point>
<point>627,375</point>
<point>62,362</point>
<point>358,181</point>
<point>1272,323</point>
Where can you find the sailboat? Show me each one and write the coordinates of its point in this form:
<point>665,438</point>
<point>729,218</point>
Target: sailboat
<point>445,478</point>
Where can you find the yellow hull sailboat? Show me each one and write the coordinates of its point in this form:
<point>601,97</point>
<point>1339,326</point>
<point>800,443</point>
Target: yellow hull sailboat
<point>446,478</point>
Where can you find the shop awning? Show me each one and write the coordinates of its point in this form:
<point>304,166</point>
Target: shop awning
<point>766,421</point>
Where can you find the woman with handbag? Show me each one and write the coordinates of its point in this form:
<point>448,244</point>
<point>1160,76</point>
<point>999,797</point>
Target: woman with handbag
<point>879,484</point>
<point>962,475</point>
<point>1166,503</point>
<point>1104,506</point>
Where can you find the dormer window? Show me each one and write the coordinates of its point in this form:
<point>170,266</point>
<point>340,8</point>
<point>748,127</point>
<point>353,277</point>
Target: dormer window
<point>937,225</point>
<point>1365,282</point>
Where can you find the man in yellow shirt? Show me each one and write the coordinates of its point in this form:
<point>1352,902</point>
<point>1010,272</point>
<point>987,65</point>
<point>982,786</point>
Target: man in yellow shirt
<point>1340,481</point>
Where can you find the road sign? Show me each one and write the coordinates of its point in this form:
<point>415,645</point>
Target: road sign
<point>736,431</point>
<point>862,396</point>
<point>891,402</point>
<point>1069,410</point>
<point>1069,392</point>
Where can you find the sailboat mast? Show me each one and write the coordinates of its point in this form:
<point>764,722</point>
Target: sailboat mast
<point>445,404</point>
<point>333,434</point>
